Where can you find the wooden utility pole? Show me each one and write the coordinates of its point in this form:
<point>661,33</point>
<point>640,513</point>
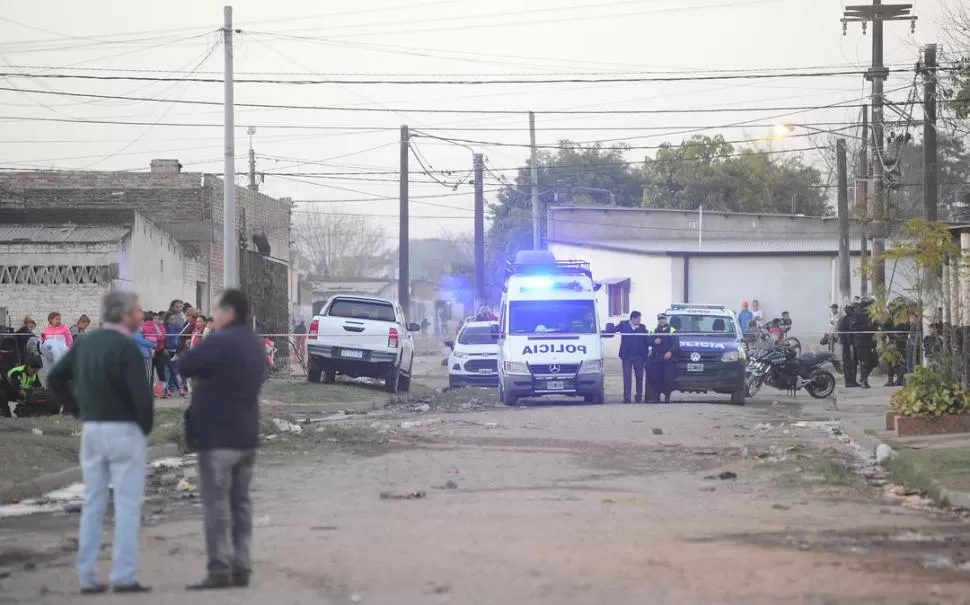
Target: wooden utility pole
<point>479,169</point>
<point>845,275</point>
<point>862,200</point>
<point>877,13</point>
<point>536,216</point>
<point>931,167</point>
<point>404,261</point>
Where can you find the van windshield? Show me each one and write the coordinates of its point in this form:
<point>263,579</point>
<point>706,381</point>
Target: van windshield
<point>477,335</point>
<point>708,325</point>
<point>552,317</point>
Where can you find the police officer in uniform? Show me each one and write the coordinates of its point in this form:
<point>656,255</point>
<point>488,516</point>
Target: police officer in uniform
<point>865,343</point>
<point>660,363</point>
<point>849,361</point>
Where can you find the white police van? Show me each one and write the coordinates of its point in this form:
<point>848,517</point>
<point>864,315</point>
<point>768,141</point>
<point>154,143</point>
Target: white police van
<point>709,350</point>
<point>549,340</point>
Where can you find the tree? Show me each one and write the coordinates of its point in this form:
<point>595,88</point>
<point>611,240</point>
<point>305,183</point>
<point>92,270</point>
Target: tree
<point>587,173</point>
<point>906,180</point>
<point>710,172</point>
<point>955,84</point>
<point>341,245</point>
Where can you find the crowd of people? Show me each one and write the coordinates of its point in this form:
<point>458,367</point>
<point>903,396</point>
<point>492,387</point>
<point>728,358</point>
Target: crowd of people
<point>161,337</point>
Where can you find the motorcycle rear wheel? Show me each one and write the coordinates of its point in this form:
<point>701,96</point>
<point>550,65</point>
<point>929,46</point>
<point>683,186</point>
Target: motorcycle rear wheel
<point>752,385</point>
<point>822,385</point>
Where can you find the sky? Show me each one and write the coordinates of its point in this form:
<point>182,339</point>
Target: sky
<point>346,160</point>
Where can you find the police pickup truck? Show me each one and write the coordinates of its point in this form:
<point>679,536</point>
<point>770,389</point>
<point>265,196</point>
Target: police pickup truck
<point>709,355</point>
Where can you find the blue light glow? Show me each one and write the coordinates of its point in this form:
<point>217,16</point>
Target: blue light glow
<point>536,282</point>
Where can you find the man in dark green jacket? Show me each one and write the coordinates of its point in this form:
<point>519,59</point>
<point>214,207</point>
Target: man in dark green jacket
<point>114,400</point>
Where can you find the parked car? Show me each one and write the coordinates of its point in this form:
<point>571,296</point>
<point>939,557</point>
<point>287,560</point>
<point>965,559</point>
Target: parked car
<point>474,355</point>
<point>361,336</point>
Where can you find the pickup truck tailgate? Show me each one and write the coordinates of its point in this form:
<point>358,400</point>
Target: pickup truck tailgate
<point>356,325</point>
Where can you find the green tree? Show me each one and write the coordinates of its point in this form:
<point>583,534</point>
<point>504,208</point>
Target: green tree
<point>710,172</point>
<point>587,174</point>
<point>906,180</point>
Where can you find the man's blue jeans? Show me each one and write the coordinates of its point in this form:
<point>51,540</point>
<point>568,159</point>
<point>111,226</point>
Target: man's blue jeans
<point>172,379</point>
<point>111,453</point>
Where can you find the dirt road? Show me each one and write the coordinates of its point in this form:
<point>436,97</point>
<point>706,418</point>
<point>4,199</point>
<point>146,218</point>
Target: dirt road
<point>558,504</point>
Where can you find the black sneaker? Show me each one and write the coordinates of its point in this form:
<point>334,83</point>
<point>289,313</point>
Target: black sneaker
<point>94,590</point>
<point>240,579</point>
<point>135,588</point>
<point>626,401</point>
<point>639,400</point>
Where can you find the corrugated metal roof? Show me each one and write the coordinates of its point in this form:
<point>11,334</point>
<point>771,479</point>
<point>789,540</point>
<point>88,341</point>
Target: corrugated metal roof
<point>714,246</point>
<point>62,234</point>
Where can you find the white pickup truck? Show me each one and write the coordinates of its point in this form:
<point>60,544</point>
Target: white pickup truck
<point>361,336</point>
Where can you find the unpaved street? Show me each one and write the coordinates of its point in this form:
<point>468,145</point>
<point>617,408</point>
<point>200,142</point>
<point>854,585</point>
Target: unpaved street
<point>559,504</point>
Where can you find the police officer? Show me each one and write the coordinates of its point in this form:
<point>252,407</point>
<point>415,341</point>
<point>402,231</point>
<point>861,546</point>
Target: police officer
<point>660,363</point>
<point>850,364</point>
<point>865,343</point>
<point>20,381</point>
<point>634,346</point>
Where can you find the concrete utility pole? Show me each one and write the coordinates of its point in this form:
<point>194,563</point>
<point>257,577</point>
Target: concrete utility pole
<point>536,231</point>
<point>479,167</point>
<point>404,261</point>
<point>862,197</point>
<point>931,167</point>
<point>878,13</point>
<point>230,241</point>
<point>845,274</point>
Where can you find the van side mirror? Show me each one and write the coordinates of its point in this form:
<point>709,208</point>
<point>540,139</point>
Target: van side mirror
<point>413,327</point>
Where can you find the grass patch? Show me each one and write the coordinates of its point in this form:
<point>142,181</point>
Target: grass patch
<point>917,470</point>
<point>823,468</point>
<point>324,440</point>
<point>282,390</point>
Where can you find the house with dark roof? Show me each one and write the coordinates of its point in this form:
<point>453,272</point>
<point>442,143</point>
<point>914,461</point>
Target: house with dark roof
<point>64,260</point>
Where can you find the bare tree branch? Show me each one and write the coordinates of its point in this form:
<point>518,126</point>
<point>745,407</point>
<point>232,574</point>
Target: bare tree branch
<point>341,245</point>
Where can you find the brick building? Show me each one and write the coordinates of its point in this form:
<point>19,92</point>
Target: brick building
<point>68,263</point>
<point>188,205</point>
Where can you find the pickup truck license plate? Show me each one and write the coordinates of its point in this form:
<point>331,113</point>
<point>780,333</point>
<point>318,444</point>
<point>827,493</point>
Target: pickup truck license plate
<point>556,385</point>
<point>486,371</point>
<point>695,367</point>
<point>352,353</point>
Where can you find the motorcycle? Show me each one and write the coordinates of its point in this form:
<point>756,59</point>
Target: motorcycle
<point>783,368</point>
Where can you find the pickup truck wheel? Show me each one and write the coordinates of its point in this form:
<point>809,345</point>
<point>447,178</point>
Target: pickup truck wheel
<point>392,381</point>
<point>314,371</point>
<point>738,397</point>
<point>330,377</point>
<point>404,383</point>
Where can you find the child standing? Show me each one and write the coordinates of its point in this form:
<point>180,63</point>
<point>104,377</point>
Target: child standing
<point>55,330</point>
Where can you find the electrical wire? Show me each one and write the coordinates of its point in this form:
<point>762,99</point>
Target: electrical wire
<point>452,81</point>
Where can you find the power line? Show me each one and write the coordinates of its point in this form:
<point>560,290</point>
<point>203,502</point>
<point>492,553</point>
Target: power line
<point>462,82</point>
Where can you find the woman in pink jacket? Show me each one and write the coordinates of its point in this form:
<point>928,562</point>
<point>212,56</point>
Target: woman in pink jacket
<point>55,330</point>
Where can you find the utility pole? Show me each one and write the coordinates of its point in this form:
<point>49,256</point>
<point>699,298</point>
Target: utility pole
<point>931,167</point>
<point>878,13</point>
<point>404,261</point>
<point>845,275</point>
<point>479,166</point>
<point>862,198</point>
<point>230,241</point>
<point>536,231</point>
<point>252,160</point>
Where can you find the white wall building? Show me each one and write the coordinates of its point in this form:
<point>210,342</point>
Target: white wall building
<point>647,259</point>
<point>46,265</point>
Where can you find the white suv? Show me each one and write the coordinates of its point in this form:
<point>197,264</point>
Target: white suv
<point>361,336</point>
<point>474,356</point>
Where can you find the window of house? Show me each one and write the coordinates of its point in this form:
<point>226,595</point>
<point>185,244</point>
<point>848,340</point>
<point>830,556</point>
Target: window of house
<point>618,294</point>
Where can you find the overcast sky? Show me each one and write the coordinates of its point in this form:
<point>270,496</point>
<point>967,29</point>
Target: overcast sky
<point>420,39</point>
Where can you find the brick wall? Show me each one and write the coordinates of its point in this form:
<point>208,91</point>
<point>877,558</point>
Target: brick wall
<point>264,214</point>
<point>70,300</point>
